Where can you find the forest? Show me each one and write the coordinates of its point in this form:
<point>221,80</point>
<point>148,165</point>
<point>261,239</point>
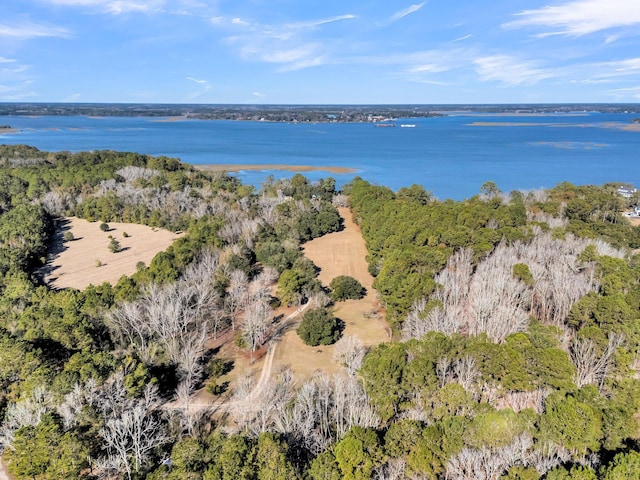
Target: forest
<point>515,320</point>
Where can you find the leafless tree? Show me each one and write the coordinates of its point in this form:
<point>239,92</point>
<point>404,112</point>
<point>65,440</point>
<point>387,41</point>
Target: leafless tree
<point>393,469</point>
<point>340,200</point>
<point>71,407</point>
<point>593,364</point>
<point>533,399</point>
<point>491,299</point>
<point>324,409</point>
<point>466,372</point>
<point>237,295</point>
<point>349,351</point>
<point>26,412</point>
<point>257,318</point>
<point>132,429</point>
<point>131,173</point>
<point>443,370</point>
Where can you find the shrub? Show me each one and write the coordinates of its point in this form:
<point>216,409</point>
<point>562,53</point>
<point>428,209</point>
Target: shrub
<point>114,246</point>
<point>125,235</point>
<point>104,227</point>
<point>319,327</point>
<point>345,287</point>
<point>68,236</point>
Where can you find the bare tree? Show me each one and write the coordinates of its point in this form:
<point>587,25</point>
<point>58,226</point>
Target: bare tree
<point>349,351</point>
<point>465,372</point>
<point>26,412</point>
<point>257,318</point>
<point>237,294</point>
<point>592,364</point>
<point>132,429</point>
<point>492,299</point>
<point>393,469</point>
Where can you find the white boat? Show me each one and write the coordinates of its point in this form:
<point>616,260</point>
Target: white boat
<point>408,125</point>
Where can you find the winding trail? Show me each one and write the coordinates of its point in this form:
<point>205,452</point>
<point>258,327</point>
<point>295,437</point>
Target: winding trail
<point>265,375</point>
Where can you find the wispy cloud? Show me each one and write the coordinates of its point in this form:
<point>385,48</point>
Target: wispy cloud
<point>114,7</point>
<point>12,94</point>
<point>463,38</point>
<point>292,45</point>
<point>510,71</point>
<point>7,60</point>
<point>625,93</point>
<point>580,17</point>
<point>29,30</point>
<point>259,94</point>
<point>204,87</point>
<point>407,11</point>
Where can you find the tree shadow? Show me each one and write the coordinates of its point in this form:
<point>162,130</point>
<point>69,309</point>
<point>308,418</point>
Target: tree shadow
<point>55,247</point>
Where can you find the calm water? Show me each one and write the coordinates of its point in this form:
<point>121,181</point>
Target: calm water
<point>447,155</point>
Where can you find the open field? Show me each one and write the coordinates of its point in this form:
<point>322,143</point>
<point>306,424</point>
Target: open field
<point>73,264</point>
<point>272,166</point>
<point>340,253</point>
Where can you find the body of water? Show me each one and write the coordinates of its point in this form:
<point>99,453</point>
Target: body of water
<point>450,156</point>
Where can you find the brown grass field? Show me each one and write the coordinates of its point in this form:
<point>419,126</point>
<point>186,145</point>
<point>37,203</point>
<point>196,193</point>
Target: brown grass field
<point>340,253</point>
<point>73,264</point>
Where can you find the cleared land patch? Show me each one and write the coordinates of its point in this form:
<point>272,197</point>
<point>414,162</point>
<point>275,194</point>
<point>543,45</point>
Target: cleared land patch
<point>74,263</point>
<point>339,253</point>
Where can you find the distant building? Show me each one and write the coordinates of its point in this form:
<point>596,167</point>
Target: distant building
<point>627,191</point>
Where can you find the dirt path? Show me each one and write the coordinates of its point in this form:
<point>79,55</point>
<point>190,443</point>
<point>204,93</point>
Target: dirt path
<point>200,399</point>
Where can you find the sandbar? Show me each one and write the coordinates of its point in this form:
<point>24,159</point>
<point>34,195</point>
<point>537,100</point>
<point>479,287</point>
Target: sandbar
<point>512,114</point>
<point>4,130</point>
<point>220,167</point>
<point>630,127</point>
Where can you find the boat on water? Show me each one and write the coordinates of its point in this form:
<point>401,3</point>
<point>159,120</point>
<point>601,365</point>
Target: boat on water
<point>384,125</point>
<point>408,125</point>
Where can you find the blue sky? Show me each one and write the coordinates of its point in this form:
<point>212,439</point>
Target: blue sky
<point>328,51</point>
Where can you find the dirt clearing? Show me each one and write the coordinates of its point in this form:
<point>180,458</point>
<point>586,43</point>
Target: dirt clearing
<point>340,253</point>
<point>87,259</point>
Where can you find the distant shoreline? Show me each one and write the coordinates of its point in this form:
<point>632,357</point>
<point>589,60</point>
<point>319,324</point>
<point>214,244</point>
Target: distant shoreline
<point>220,167</point>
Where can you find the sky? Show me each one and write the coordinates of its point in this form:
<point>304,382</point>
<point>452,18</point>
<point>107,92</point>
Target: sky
<point>320,51</point>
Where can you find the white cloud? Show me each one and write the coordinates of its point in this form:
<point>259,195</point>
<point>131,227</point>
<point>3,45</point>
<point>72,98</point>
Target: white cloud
<point>32,30</point>
<point>16,90</point>
<point>7,60</point>
<point>509,70</point>
<point>196,80</point>
<point>612,39</point>
<point>580,17</point>
<point>461,39</point>
<point>259,94</point>
<point>407,11</point>
<point>293,45</point>
<point>626,67</point>
<point>429,68</point>
<point>114,7</point>
<point>622,94</point>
